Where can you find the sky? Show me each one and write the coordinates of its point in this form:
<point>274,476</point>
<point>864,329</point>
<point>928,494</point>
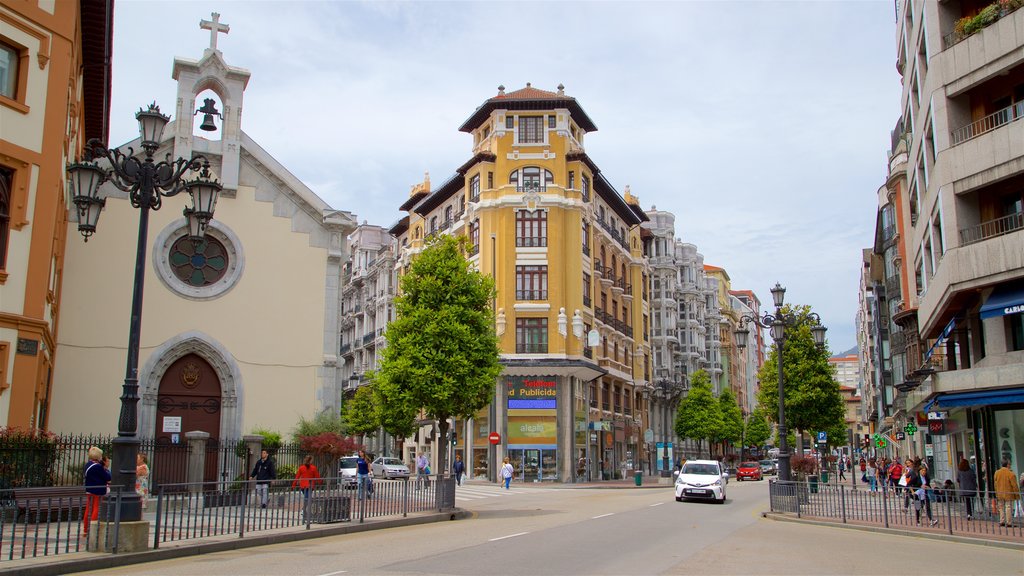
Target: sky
<point>763,126</point>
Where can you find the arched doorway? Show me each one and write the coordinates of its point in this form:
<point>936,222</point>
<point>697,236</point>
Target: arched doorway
<point>189,399</point>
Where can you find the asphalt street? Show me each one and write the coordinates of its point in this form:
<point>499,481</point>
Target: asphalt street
<point>539,530</point>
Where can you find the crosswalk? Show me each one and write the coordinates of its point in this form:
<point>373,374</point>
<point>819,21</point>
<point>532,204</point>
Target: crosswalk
<point>468,492</point>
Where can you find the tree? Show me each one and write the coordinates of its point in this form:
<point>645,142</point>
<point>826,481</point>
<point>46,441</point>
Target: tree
<point>732,418</point>
<point>361,412</point>
<point>442,352</point>
<point>758,431</point>
<point>813,401</point>
<point>699,416</point>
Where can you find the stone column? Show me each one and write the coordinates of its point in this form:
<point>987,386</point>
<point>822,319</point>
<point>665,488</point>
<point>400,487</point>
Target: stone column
<point>255,444</point>
<point>196,459</point>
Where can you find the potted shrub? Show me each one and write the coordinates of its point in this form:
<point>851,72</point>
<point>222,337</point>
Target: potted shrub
<point>805,468</point>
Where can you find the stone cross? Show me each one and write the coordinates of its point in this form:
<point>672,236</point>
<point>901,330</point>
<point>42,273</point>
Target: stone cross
<point>214,27</point>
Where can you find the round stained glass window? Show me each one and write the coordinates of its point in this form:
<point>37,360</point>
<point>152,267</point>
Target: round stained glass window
<point>200,265</point>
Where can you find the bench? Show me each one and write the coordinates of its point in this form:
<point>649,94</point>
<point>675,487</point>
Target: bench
<point>49,502</point>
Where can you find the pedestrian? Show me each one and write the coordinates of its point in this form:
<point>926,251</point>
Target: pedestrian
<point>872,474</point>
<point>422,470</point>
<point>968,482</point>
<point>1007,492</point>
<point>142,478</point>
<point>925,493</point>
<point>908,483</point>
<point>97,480</point>
<point>863,465</point>
<point>506,472</point>
<point>459,468</point>
<point>263,472</point>
<point>306,478</point>
<point>895,475</point>
<point>842,468</point>
<point>362,474</point>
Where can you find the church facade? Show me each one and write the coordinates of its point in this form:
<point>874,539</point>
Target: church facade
<point>237,333</point>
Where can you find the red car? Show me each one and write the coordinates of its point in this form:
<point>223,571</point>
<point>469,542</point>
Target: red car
<point>749,470</point>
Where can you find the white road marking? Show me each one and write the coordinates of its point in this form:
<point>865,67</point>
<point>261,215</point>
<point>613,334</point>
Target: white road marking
<point>509,536</point>
<point>603,515</point>
<point>333,573</point>
<point>658,504</point>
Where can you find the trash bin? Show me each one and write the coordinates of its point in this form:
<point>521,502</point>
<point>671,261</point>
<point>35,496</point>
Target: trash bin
<point>812,482</point>
<point>824,476</point>
<point>638,477</point>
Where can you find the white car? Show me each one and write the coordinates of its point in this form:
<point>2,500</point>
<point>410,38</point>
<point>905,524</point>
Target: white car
<point>385,467</point>
<point>703,479</point>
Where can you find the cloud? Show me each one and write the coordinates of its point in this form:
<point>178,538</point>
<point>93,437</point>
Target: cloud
<point>762,125</point>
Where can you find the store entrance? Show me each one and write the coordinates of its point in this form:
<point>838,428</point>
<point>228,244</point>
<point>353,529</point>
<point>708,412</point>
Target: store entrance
<point>534,464</point>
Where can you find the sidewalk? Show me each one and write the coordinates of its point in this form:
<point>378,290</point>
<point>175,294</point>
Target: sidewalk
<point>85,561</point>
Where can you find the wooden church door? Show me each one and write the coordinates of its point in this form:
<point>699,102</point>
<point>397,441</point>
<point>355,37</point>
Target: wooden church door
<point>189,399</point>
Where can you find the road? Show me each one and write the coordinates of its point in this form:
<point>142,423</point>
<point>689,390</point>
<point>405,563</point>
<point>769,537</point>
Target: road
<point>540,530</point>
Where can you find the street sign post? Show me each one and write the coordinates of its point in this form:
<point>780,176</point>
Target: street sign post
<point>822,437</point>
<point>494,438</point>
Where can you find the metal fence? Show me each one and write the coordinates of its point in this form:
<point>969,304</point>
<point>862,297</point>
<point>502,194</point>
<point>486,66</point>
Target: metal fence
<point>49,521</point>
<point>38,522</point>
<point>941,511</point>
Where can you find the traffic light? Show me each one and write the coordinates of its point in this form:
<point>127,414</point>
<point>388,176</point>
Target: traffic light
<point>452,437</point>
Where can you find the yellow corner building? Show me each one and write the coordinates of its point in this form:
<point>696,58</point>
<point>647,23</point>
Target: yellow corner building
<point>566,252</point>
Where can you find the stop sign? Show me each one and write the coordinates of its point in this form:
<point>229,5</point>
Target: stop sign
<point>495,438</point>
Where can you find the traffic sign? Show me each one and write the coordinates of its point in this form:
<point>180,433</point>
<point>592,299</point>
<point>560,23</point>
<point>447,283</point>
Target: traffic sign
<point>822,437</point>
<point>494,438</point>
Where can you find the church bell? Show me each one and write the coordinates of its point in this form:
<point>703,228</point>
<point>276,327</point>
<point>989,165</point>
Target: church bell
<point>209,110</point>
<point>208,124</point>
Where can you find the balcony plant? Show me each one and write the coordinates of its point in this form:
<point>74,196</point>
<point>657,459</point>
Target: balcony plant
<point>968,25</point>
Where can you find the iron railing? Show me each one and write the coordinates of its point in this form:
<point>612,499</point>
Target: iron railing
<point>988,123</point>
<point>992,228</point>
<point>940,511</point>
<point>33,524</point>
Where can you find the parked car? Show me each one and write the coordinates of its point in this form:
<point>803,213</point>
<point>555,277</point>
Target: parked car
<point>347,471</point>
<point>702,479</point>
<point>769,467</point>
<point>386,467</point>
<point>749,471</point>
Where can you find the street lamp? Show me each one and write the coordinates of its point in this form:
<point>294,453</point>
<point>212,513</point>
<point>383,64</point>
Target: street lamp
<point>777,324</point>
<point>146,182</point>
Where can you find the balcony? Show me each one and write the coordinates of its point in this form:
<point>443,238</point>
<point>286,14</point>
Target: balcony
<point>473,250</point>
<point>586,301</point>
<point>602,316</point>
<point>990,229</point>
<point>988,123</point>
<point>531,242</point>
<point>627,293</point>
<point>368,338</point>
<point>531,294</point>
<point>892,287</point>
<point>966,27</point>
<point>586,249</point>
<point>345,348</point>
<point>618,286</point>
<point>531,347</point>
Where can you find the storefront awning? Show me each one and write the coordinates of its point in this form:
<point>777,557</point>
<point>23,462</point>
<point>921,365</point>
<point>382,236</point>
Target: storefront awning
<point>1003,302</point>
<point>980,398</point>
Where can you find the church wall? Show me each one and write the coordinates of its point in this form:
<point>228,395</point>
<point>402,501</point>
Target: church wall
<point>271,322</point>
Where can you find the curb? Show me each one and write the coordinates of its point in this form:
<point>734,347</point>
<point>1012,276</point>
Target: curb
<point>783,517</point>
<point>101,561</point>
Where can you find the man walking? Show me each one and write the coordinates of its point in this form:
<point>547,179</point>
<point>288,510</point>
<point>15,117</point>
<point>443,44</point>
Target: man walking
<point>263,472</point>
<point>422,471</point>
<point>842,468</point>
<point>1007,492</point>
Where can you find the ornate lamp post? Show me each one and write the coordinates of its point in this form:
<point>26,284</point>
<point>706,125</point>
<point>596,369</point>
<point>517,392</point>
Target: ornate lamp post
<point>146,183</point>
<point>777,324</point>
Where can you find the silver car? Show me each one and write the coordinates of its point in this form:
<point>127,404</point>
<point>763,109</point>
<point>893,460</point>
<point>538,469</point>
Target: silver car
<point>387,467</point>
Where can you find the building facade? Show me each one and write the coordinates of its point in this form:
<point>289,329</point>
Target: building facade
<point>54,96</point>
<point>951,235</point>
<point>573,317</point>
<point>238,332</point>
<point>369,284</point>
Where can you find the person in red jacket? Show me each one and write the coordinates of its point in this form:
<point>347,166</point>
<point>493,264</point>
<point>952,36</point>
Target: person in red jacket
<point>895,473</point>
<point>306,478</point>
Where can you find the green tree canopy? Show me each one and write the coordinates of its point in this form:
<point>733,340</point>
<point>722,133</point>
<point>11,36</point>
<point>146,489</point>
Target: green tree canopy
<point>699,416</point>
<point>813,401</point>
<point>442,351</point>
<point>758,430</point>
<point>361,413</point>
<point>732,418</point>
